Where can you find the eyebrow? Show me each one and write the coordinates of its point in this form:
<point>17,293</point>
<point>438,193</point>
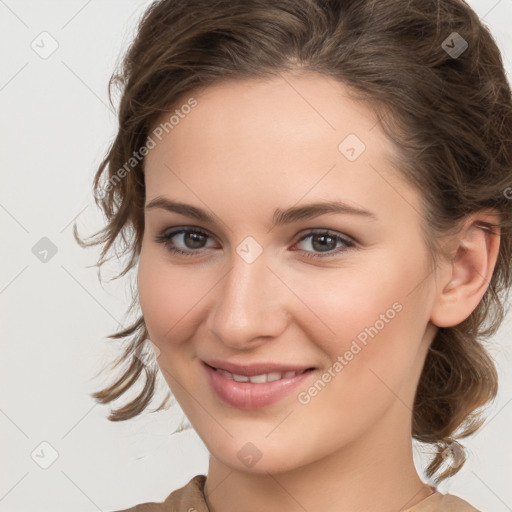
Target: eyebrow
<point>280,217</point>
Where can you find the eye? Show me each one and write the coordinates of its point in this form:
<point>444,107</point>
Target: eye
<point>194,241</point>
<point>325,241</point>
<point>192,238</point>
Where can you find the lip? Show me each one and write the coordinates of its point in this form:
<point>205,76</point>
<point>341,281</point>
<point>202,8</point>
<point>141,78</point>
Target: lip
<point>249,395</point>
<point>255,368</point>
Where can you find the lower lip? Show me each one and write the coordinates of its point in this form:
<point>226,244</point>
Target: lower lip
<point>249,395</point>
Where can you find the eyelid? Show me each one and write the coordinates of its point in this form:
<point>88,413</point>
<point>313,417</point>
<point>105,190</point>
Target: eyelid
<point>305,232</point>
<point>328,231</point>
<point>349,241</point>
<point>167,232</point>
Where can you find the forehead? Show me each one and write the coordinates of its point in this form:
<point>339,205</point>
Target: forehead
<point>290,108</point>
<point>275,141</point>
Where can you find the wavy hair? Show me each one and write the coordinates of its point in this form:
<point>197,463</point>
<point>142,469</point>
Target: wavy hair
<point>449,114</point>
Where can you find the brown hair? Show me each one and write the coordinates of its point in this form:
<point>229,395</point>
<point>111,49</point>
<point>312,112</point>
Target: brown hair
<point>449,115</point>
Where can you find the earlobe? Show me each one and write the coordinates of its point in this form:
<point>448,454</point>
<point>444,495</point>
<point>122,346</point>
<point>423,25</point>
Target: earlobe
<point>469,273</point>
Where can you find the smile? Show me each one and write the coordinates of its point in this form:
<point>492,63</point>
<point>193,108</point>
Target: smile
<point>254,391</point>
<point>259,379</point>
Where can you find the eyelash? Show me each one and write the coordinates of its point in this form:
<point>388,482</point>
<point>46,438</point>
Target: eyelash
<point>164,239</point>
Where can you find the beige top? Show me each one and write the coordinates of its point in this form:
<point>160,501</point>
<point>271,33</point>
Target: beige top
<point>190,498</point>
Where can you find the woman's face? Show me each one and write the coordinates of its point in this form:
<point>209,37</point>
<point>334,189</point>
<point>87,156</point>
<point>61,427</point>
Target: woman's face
<point>250,289</point>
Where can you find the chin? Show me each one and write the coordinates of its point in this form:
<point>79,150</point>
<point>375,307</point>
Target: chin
<point>258,457</point>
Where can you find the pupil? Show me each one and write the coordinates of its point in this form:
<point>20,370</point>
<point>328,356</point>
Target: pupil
<point>195,239</point>
<point>322,246</point>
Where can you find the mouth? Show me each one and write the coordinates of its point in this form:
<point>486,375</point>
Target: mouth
<point>249,375</point>
<point>250,389</point>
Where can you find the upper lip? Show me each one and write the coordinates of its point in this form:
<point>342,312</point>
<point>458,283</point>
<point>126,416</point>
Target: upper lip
<point>254,368</point>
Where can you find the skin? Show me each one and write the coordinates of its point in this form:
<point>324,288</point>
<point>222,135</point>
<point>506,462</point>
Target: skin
<point>248,148</point>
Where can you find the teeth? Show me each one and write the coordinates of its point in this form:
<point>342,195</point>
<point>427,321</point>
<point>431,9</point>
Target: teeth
<point>259,379</point>
<point>274,376</point>
<point>225,373</point>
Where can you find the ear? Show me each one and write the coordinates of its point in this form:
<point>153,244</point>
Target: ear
<point>464,280</point>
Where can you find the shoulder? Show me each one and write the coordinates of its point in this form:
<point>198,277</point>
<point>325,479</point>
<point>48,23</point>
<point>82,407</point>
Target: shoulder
<point>439,502</point>
<point>189,498</point>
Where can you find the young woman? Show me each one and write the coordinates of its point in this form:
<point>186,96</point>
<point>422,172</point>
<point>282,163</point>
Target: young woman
<point>317,195</point>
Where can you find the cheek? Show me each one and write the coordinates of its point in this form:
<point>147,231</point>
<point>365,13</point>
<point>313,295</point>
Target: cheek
<point>347,301</point>
<point>370,319</point>
<point>167,298</point>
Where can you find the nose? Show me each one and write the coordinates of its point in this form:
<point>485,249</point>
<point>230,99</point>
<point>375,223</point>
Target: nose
<point>250,304</point>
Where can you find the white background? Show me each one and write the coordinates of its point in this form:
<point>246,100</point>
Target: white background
<point>56,126</point>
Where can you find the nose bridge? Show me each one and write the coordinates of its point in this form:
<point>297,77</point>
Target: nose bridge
<point>249,302</point>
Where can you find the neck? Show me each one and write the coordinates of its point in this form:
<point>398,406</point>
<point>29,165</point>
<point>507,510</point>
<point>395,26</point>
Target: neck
<point>374,473</point>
